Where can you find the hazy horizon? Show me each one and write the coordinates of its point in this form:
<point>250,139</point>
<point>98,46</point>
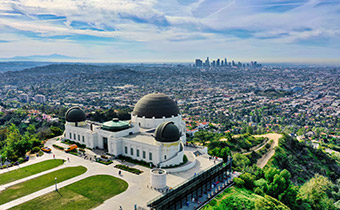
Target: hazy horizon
<point>305,31</point>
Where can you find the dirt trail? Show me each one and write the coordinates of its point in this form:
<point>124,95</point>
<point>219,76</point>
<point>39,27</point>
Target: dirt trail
<point>266,157</point>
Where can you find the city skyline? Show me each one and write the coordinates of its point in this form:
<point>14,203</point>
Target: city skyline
<point>173,31</point>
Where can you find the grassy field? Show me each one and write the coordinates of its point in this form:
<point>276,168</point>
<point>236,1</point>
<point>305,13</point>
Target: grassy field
<point>41,182</point>
<point>84,194</point>
<point>29,170</point>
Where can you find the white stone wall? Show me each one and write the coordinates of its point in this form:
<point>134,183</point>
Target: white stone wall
<point>147,148</point>
<point>154,122</point>
<point>158,180</point>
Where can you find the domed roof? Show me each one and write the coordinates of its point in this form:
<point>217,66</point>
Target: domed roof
<point>115,125</point>
<point>156,105</point>
<point>75,114</point>
<point>167,132</point>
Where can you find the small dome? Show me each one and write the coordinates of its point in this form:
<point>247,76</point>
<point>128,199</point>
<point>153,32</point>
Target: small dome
<point>156,105</point>
<point>75,114</point>
<point>167,132</point>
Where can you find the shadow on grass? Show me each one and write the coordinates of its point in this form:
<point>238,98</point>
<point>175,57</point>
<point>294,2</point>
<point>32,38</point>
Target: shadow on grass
<point>59,193</point>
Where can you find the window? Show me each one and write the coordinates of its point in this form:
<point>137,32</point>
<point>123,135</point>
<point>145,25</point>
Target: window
<point>83,138</point>
<point>150,156</point>
<point>137,152</point>
<point>144,154</point>
<point>131,151</point>
<point>70,135</point>
<point>126,150</point>
<point>74,136</point>
<point>78,137</point>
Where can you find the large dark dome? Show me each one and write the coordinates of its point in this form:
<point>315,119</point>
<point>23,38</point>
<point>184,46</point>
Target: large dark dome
<point>167,132</point>
<point>156,105</point>
<point>75,114</point>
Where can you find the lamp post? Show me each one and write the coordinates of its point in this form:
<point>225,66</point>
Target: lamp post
<point>56,188</point>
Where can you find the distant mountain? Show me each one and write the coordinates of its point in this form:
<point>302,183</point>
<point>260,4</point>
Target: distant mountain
<point>53,57</point>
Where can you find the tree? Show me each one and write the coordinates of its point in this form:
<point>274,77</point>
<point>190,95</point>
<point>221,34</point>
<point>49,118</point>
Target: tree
<point>240,161</point>
<point>248,180</point>
<point>315,193</point>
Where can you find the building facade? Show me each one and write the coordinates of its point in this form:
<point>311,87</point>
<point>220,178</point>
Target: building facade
<point>155,133</point>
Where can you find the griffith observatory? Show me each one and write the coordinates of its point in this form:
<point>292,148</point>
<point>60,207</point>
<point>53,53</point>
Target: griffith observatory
<point>155,133</point>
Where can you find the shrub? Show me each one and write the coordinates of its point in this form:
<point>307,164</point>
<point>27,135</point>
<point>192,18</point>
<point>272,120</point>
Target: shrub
<point>104,162</point>
<point>35,149</point>
<point>129,169</point>
<point>58,147</point>
<point>21,160</point>
<point>239,182</point>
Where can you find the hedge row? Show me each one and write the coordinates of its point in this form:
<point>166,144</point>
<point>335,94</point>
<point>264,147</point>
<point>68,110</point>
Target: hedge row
<point>58,147</point>
<point>129,169</point>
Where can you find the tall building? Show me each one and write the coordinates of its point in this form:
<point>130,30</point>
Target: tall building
<point>218,62</point>
<point>40,98</point>
<point>198,63</point>
<point>207,63</point>
<point>225,62</point>
<point>222,64</point>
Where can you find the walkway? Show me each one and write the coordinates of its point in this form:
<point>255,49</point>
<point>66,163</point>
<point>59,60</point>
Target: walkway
<point>266,157</point>
<point>137,192</point>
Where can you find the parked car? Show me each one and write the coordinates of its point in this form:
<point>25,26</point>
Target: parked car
<point>46,149</point>
<point>71,147</point>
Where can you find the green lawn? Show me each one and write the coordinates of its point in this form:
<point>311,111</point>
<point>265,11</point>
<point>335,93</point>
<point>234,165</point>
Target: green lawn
<point>29,170</point>
<point>84,194</point>
<point>41,182</point>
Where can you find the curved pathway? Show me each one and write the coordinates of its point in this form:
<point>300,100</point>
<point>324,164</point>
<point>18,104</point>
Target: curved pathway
<point>266,157</point>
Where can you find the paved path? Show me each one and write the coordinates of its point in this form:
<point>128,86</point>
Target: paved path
<point>266,157</point>
<point>137,192</point>
<point>4,186</point>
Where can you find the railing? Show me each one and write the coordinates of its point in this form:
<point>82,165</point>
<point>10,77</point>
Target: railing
<point>220,164</point>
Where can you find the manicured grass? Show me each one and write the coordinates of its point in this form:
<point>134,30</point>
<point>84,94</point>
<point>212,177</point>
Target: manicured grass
<point>84,194</point>
<point>29,170</point>
<point>41,182</point>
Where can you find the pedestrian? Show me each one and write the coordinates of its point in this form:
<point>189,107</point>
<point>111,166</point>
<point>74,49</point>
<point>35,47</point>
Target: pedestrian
<point>193,200</point>
<point>120,208</point>
<point>119,172</point>
<point>53,156</point>
<point>68,159</point>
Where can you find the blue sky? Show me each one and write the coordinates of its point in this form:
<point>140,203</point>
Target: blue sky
<point>172,30</point>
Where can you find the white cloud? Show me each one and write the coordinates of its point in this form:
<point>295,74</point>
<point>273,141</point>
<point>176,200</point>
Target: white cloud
<point>180,28</point>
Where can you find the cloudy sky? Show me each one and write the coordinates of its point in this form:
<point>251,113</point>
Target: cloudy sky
<point>172,30</point>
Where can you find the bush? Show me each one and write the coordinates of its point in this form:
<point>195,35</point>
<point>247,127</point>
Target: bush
<point>104,162</point>
<point>129,169</point>
<point>35,149</point>
<point>239,182</point>
<point>74,153</point>
<point>21,160</point>
<point>58,147</point>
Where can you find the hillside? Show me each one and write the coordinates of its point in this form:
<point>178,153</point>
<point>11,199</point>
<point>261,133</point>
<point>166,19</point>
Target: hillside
<point>303,161</point>
<point>239,198</point>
